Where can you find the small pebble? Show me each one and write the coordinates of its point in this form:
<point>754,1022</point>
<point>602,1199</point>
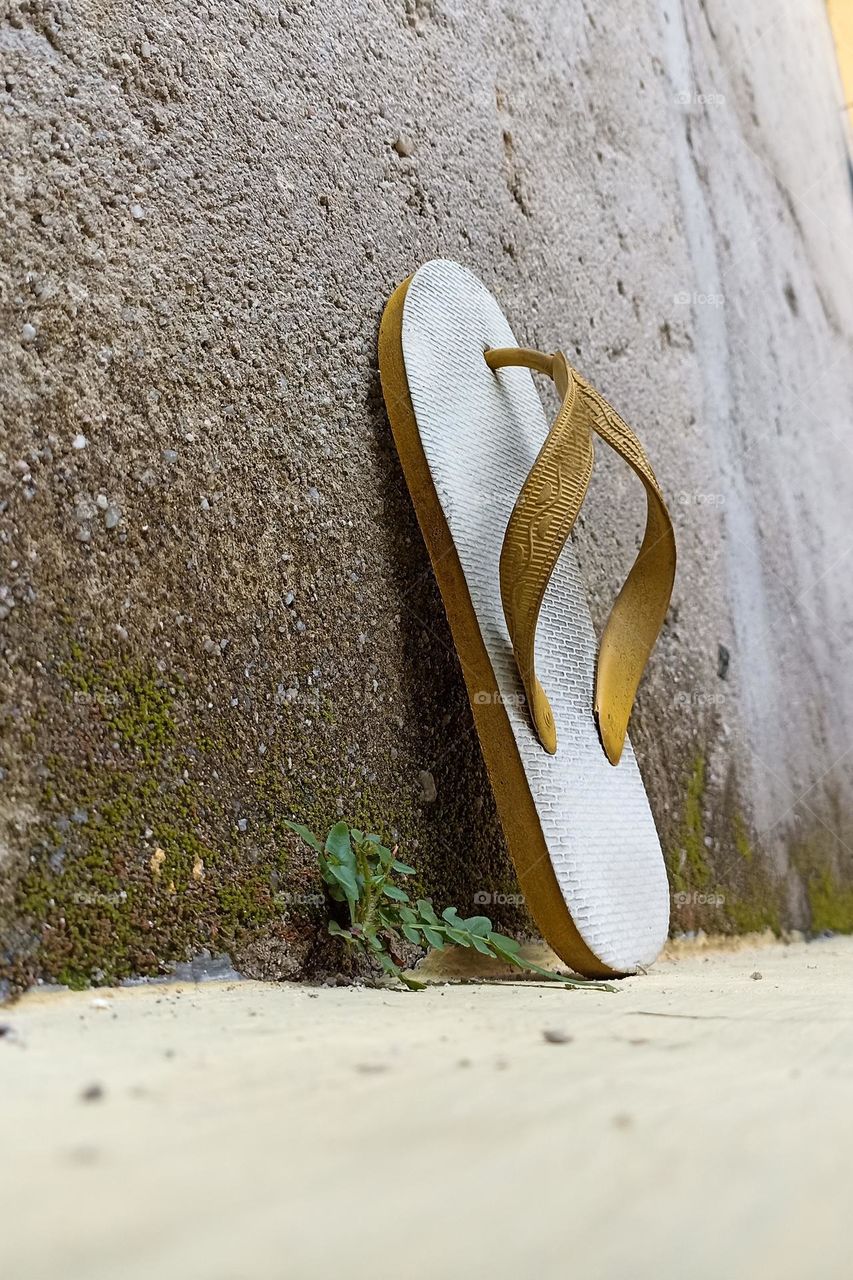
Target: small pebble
<point>112,516</point>
<point>242,824</point>
<point>756,976</point>
<point>79,442</point>
<point>428,787</point>
<point>403,145</point>
<point>100,1003</point>
<point>555,1036</point>
<point>28,332</point>
<point>92,1093</point>
<point>137,212</point>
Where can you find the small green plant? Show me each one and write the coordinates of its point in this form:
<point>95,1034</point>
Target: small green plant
<point>362,872</point>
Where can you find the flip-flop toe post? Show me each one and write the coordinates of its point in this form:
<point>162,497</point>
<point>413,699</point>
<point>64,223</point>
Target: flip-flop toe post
<point>496,492</point>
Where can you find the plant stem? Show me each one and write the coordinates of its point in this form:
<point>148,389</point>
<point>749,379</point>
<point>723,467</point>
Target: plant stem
<point>368,906</point>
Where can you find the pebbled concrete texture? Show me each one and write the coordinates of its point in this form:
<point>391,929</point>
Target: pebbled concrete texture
<point>217,610</point>
<point>696,1123</point>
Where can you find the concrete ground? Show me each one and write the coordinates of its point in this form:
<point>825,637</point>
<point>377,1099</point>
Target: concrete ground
<point>699,1122</point>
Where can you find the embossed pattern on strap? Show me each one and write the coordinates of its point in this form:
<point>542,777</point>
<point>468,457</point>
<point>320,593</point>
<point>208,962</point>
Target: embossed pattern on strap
<point>537,531</point>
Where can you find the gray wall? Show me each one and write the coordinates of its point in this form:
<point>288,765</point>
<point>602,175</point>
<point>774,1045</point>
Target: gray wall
<point>223,612</point>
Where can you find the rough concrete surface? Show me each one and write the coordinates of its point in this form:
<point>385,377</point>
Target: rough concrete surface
<point>216,607</point>
<point>698,1123</point>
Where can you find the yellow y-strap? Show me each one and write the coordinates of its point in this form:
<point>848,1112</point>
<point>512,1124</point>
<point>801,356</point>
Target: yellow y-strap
<point>540,524</point>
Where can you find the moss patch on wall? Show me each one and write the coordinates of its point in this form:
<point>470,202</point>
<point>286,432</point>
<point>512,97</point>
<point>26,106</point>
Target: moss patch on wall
<point>160,825</point>
<point>720,884</point>
<point>829,895</point>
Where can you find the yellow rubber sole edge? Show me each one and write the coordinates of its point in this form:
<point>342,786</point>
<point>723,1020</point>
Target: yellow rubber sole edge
<point>516,809</point>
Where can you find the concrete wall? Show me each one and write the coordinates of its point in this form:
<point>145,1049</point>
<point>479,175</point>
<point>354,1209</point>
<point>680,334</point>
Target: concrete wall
<point>217,607</point>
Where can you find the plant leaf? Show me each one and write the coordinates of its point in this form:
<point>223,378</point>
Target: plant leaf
<point>391,891</point>
<point>434,939</point>
<point>403,868</point>
<point>339,845</point>
<point>345,877</point>
<point>387,963</point>
<point>412,934</point>
<point>459,936</point>
<point>426,911</point>
<point>481,925</point>
<point>307,836</point>
<point>503,943</point>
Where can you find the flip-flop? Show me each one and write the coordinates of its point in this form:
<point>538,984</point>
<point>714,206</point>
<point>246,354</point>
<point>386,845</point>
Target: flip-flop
<point>496,495</point>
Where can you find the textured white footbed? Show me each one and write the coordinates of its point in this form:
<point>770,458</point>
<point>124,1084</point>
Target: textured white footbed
<point>481,432</point>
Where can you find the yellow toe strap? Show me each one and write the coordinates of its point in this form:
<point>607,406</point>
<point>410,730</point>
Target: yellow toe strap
<point>540,524</point>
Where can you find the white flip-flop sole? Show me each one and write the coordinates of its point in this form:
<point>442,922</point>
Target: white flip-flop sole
<point>481,432</point>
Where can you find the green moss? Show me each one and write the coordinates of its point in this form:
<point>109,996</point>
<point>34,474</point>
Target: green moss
<point>90,887</point>
<point>741,838</point>
<point>688,866</point>
<point>830,903</point>
<point>132,702</point>
<point>829,895</point>
<point>753,916</point>
<point>754,899</point>
<point>142,717</point>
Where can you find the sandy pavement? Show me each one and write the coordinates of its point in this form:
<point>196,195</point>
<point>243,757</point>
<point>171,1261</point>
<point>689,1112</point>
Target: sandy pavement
<point>697,1123</point>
